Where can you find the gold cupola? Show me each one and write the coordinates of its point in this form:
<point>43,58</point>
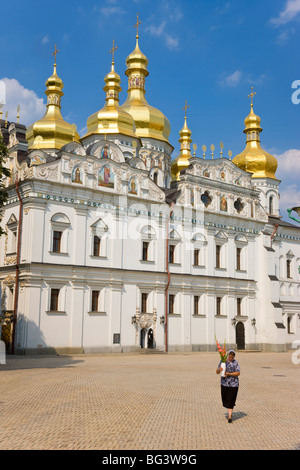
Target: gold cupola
<point>52,131</point>
<point>111,119</point>
<point>254,159</point>
<point>182,161</point>
<point>149,121</point>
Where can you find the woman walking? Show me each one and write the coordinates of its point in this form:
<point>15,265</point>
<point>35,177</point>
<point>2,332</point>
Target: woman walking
<point>229,383</point>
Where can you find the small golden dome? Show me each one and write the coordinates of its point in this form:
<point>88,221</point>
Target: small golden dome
<point>149,121</point>
<point>254,159</point>
<point>52,131</point>
<point>111,119</point>
<point>182,161</point>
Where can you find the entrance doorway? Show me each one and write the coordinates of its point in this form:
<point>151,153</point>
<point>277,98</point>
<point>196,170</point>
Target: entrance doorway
<point>240,335</point>
<point>150,339</point>
<point>143,337</point>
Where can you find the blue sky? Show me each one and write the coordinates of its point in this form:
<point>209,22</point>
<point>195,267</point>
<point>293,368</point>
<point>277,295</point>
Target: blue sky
<point>208,52</point>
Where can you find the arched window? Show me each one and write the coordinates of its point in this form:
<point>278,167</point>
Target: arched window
<point>271,205</point>
<point>59,233</point>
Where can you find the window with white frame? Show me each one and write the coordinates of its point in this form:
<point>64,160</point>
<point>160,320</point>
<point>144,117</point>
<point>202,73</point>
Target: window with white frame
<point>11,234</point>
<point>241,243</point>
<point>57,297</point>
<point>99,232</point>
<point>60,226</point>
<point>96,299</point>
<point>199,244</point>
<point>148,243</point>
<point>221,250</point>
<point>174,247</point>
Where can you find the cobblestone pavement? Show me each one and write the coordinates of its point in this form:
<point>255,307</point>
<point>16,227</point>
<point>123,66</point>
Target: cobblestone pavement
<point>147,402</point>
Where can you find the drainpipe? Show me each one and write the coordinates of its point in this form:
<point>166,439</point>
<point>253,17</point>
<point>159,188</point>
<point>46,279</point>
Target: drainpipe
<point>17,268</point>
<point>169,277</point>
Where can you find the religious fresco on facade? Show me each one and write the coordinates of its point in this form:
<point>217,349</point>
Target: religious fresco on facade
<point>222,175</point>
<point>106,177</point>
<point>105,152</point>
<point>37,160</point>
<point>223,204</point>
<point>206,173</point>
<point>132,186</point>
<point>76,175</point>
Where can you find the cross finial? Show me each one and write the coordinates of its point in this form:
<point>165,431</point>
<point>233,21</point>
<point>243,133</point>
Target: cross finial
<point>54,53</point>
<point>186,107</point>
<point>137,25</point>
<point>112,51</point>
<point>251,96</point>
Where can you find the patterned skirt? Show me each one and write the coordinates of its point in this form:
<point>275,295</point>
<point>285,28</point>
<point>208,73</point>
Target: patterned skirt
<point>229,395</point>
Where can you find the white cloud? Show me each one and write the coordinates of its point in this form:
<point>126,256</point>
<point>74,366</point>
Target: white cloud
<point>289,165</point>
<point>32,107</point>
<point>237,77</point>
<point>45,39</point>
<point>231,80</point>
<point>289,13</point>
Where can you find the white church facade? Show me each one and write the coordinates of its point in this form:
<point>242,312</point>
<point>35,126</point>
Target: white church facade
<point>112,246</point>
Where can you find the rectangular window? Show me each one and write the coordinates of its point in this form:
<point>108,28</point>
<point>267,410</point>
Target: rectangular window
<point>238,259</point>
<point>238,306</point>
<point>171,303</point>
<point>144,303</point>
<point>218,305</point>
<point>95,300</point>
<point>96,246</point>
<point>196,304</point>
<point>288,268</point>
<point>171,253</point>
<point>145,251</point>
<point>218,257</point>
<point>196,257</point>
<point>57,241</point>
<point>54,300</point>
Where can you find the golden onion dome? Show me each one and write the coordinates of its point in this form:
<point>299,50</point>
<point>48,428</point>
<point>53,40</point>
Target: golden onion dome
<point>254,159</point>
<point>52,131</point>
<point>111,119</point>
<point>182,161</point>
<point>149,121</point>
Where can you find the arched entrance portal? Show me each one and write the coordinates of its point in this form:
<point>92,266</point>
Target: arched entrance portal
<point>240,335</point>
<point>146,338</point>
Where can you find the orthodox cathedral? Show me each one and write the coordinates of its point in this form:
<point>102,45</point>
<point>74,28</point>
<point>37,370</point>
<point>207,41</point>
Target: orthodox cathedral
<point>112,245</point>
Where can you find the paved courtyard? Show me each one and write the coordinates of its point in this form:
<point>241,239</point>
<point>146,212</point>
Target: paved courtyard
<point>147,402</point>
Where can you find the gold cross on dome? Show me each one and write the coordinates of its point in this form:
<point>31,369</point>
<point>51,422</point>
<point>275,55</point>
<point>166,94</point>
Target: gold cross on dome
<point>137,25</point>
<point>112,51</point>
<point>252,95</point>
<point>186,107</point>
<point>54,53</point>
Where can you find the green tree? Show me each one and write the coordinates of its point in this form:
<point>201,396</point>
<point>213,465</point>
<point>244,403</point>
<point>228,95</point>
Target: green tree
<point>3,172</point>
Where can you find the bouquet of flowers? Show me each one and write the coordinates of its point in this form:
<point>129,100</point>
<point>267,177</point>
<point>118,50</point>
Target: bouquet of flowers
<point>222,352</point>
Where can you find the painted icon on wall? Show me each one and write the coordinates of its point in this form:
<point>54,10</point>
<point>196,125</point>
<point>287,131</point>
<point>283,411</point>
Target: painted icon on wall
<point>76,175</point>
<point>132,186</point>
<point>106,177</point>
<point>223,204</point>
<point>105,152</point>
